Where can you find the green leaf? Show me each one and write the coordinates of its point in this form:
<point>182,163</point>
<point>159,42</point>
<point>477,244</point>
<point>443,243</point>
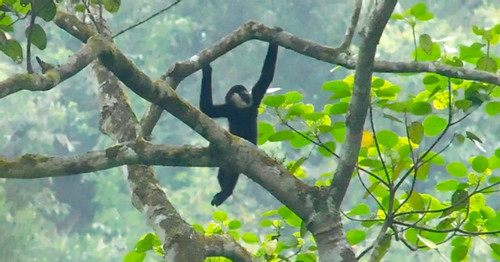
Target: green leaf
<point>112,6</point>
<point>330,147</point>
<point>456,169</point>
<point>433,55</point>
<point>480,164</point>
<point>46,9</point>
<point>425,42</point>
<point>219,216</point>
<point>418,9</point>
<point>361,209</point>
<point>250,238</point>
<point>290,218</point>
<point>447,185</point>
<point>492,108</point>
<point>38,36</point>
<point>495,247</point>
<point>234,224</point>
<point>416,201</point>
<point>282,135</point>
<point>13,50</point>
<point>421,108</point>
<point>134,256</point>
<point>339,108</point>
<point>274,101</point>
<point>387,138</point>
<point>434,125</point>
<point>270,213</point>
<point>427,242</point>
<point>416,132</point>
<point>487,63</point>
<point>458,253</point>
<point>355,236</point>
<point>293,97</point>
<point>340,89</point>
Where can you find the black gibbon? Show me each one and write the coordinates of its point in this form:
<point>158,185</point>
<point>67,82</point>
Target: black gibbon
<point>241,110</point>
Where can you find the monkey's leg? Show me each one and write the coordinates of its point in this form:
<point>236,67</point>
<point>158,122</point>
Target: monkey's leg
<point>227,181</point>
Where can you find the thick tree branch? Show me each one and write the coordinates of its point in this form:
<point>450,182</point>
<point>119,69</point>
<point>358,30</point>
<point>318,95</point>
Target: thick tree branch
<point>32,166</point>
<point>51,78</point>
<point>225,245</point>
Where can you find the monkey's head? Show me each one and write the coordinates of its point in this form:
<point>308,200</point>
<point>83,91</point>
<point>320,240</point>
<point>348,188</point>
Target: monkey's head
<point>239,97</point>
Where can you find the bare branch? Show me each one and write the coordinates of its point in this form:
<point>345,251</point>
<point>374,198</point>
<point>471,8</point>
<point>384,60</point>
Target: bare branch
<point>352,27</point>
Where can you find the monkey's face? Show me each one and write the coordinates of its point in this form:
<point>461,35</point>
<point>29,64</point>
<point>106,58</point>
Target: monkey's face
<point>239,97</point>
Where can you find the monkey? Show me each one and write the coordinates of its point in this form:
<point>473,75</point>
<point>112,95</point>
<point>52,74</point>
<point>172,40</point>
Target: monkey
<point>241,110</point>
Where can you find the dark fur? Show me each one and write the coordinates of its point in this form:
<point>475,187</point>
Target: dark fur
<point>242,121</point>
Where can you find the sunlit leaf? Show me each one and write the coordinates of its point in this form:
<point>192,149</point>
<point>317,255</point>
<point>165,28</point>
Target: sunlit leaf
<point>480,164</point>
<point>361,209</point>
<point>387,138</point>
<point>434,125</point>
<point>456,169</point>
<point>355,236</point>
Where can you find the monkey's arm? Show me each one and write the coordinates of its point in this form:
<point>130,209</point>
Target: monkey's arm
<point>266,75</point>
<point>206,104</point>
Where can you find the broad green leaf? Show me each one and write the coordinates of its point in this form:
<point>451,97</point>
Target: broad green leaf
<point>458,253</point>
<point>219,216</point>
<point>46,9</point>
<point>433,55</point>
<point>495,247</point>
<point>264,130</point>
<point>274,101</point>
<point>456,169</point>
<point>387,138</point>
<point>145,243</point>
<point>425,42</point>
<point>330,147</point>
<point>361,209</point>
<point>250,238</point>
<point>416,132</point>
<point>266,223</point>
<point>234,224</point>
<point>289,241</point>
<point>492,108</point>
<point>480,164</point>
<point>416,201</point>
<point>134,256</point>
<point>434,125</point>
<point>38,36</point>
<point>291,218</point>
<point>427,242</point>
<point>13,50</point>
<point>355,236</point>
<point>339,108</point>
<point>418,9</point>
<point>270,213</point>
<point>299,141</point>
<point>423,171</point>
<point>198,228</point>
<point>340,89</point>
<point>421,108</point>
<point>293,97</point>
<point>112,6</point>
<point>487,63</point>
<point>282,135</point>
<point>447,185</point>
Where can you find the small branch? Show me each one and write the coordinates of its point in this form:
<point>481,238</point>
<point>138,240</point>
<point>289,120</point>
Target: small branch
<point>147,19</point>
<point>352,27</point>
